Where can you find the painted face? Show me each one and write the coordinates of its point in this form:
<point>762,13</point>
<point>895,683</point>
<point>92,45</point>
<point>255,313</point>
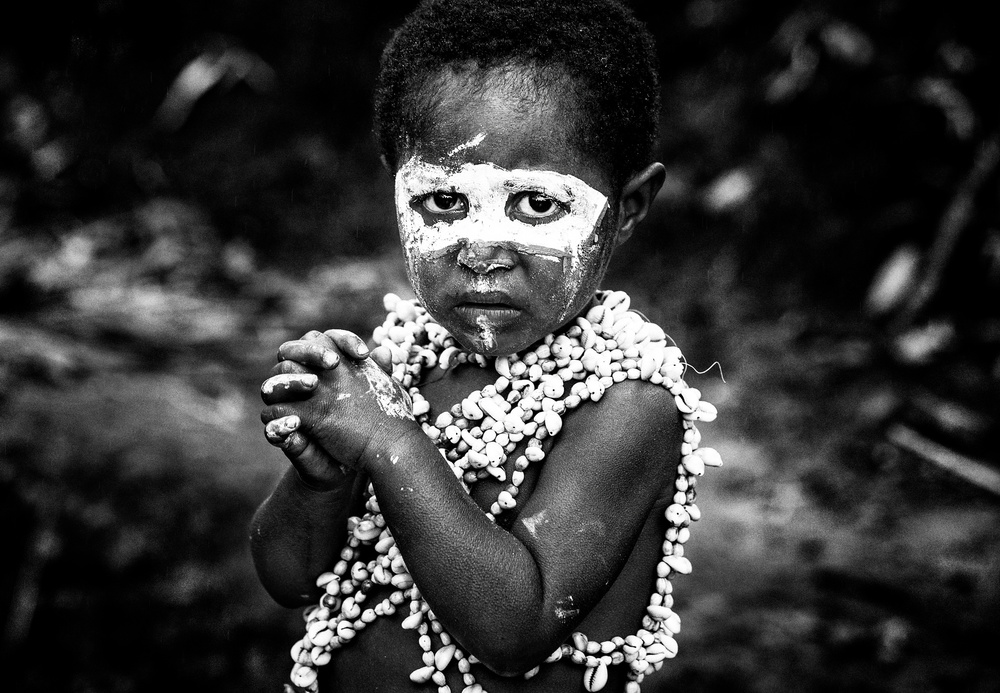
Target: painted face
<point>505,239</point>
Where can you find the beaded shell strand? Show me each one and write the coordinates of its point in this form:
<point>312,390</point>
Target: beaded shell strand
<point>534,391</point>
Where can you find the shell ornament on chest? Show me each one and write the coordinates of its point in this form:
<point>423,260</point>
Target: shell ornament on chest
<point>527,403</point>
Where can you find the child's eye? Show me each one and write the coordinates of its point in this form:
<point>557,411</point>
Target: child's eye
<point>444,203</point>
<point>534,206</point>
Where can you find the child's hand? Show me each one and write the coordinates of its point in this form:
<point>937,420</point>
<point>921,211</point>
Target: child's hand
<point>327,401</point>
<point>292,380</point>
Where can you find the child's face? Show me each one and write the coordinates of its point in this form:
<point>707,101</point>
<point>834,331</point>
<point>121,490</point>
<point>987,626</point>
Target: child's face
<point>506,227</point>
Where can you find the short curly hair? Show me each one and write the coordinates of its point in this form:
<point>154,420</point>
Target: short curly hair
<point>608,55</point>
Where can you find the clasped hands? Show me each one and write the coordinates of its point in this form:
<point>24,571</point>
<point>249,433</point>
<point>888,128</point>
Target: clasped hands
<point>327,399</point>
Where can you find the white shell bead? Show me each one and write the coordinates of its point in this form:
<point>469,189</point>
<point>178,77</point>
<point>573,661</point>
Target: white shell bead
<point>366,530</point>
<point>534,453</point>
<point>595,678</point>
<point>304,676</point>
<point>705,412</point>
<point>492,409</point>
<point>676,514</point>
<point>694,464</point>
<point>610,345</point>
<point>655,653</point>
<point>443,657</point>
<point>709,456</point>
<point>505,500</point>
<point>423,674</point>
<point>678,564</point>
<point>553,423</point>
<point>345,631</point>
<point>660,613</point>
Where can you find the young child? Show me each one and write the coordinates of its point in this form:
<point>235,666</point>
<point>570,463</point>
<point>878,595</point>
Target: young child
<point>496,497</point>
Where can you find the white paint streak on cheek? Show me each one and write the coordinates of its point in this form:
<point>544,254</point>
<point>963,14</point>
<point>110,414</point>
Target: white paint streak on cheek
<point>582,272</point>
<point>343,395</point>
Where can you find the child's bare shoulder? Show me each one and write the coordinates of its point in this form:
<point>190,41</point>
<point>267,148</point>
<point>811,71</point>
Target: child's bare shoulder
<point>634,422</point>
<point>621,448</point>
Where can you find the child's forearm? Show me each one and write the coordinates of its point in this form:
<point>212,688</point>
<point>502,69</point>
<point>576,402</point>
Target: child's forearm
<point>480,580</point>
<point>296,534</point>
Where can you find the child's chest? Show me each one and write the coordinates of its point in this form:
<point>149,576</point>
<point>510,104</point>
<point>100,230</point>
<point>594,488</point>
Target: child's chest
<point>444,390</point>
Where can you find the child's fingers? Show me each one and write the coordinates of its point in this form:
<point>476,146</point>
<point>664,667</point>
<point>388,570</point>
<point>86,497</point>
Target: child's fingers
<point>383,357</point>
<point>349,343</point>
<point>288,367</point>
<point>315,467</point>
<point>288,387</point>
<point>312,353</point>
<point>277,430</point>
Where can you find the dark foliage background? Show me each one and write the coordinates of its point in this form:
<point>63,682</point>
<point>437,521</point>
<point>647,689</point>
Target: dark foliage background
<point>185,185</point>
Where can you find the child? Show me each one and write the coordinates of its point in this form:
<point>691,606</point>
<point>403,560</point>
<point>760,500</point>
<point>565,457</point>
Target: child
<point>510,473</point>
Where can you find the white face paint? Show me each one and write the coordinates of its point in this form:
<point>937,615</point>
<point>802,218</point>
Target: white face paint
<point>489,192</point>
<point>474,142</point>
<point>464,226</point>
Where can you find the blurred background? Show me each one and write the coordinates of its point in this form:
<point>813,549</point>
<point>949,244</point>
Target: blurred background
<point>185,185</point>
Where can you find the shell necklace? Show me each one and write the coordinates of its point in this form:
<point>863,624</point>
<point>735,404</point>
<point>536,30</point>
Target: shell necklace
<point>534,391</point>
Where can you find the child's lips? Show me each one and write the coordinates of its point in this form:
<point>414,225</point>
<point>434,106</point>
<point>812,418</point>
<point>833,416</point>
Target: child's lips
<point>497,313</point>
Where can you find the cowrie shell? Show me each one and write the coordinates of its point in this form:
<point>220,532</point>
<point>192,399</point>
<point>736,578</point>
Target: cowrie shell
<point>595,678</point>
<point>709,456</point>
<point>502,366</point>
<point>366,530</point>
<point>694,464</point>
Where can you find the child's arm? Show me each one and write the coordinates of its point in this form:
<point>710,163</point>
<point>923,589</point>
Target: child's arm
<point>299,530</point>
<point>503,594</point>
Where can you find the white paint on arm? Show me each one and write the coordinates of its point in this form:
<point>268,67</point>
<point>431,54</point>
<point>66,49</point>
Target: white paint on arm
<point>565,609</point>
<point>385,392</point>
<point>532,522</point>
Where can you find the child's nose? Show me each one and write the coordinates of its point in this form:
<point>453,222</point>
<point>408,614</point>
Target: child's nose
<point>483,258</point>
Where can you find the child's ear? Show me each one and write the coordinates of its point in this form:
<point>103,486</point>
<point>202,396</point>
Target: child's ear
<point>637,197</point>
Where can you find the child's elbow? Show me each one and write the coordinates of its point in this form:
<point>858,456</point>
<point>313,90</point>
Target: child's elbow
<point>509,667</point>
<point>511,658</point>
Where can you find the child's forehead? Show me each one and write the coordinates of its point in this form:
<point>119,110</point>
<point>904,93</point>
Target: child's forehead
<point>491,122</point>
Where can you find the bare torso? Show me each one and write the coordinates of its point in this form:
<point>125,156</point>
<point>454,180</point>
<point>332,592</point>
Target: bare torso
<point>382,657</point>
